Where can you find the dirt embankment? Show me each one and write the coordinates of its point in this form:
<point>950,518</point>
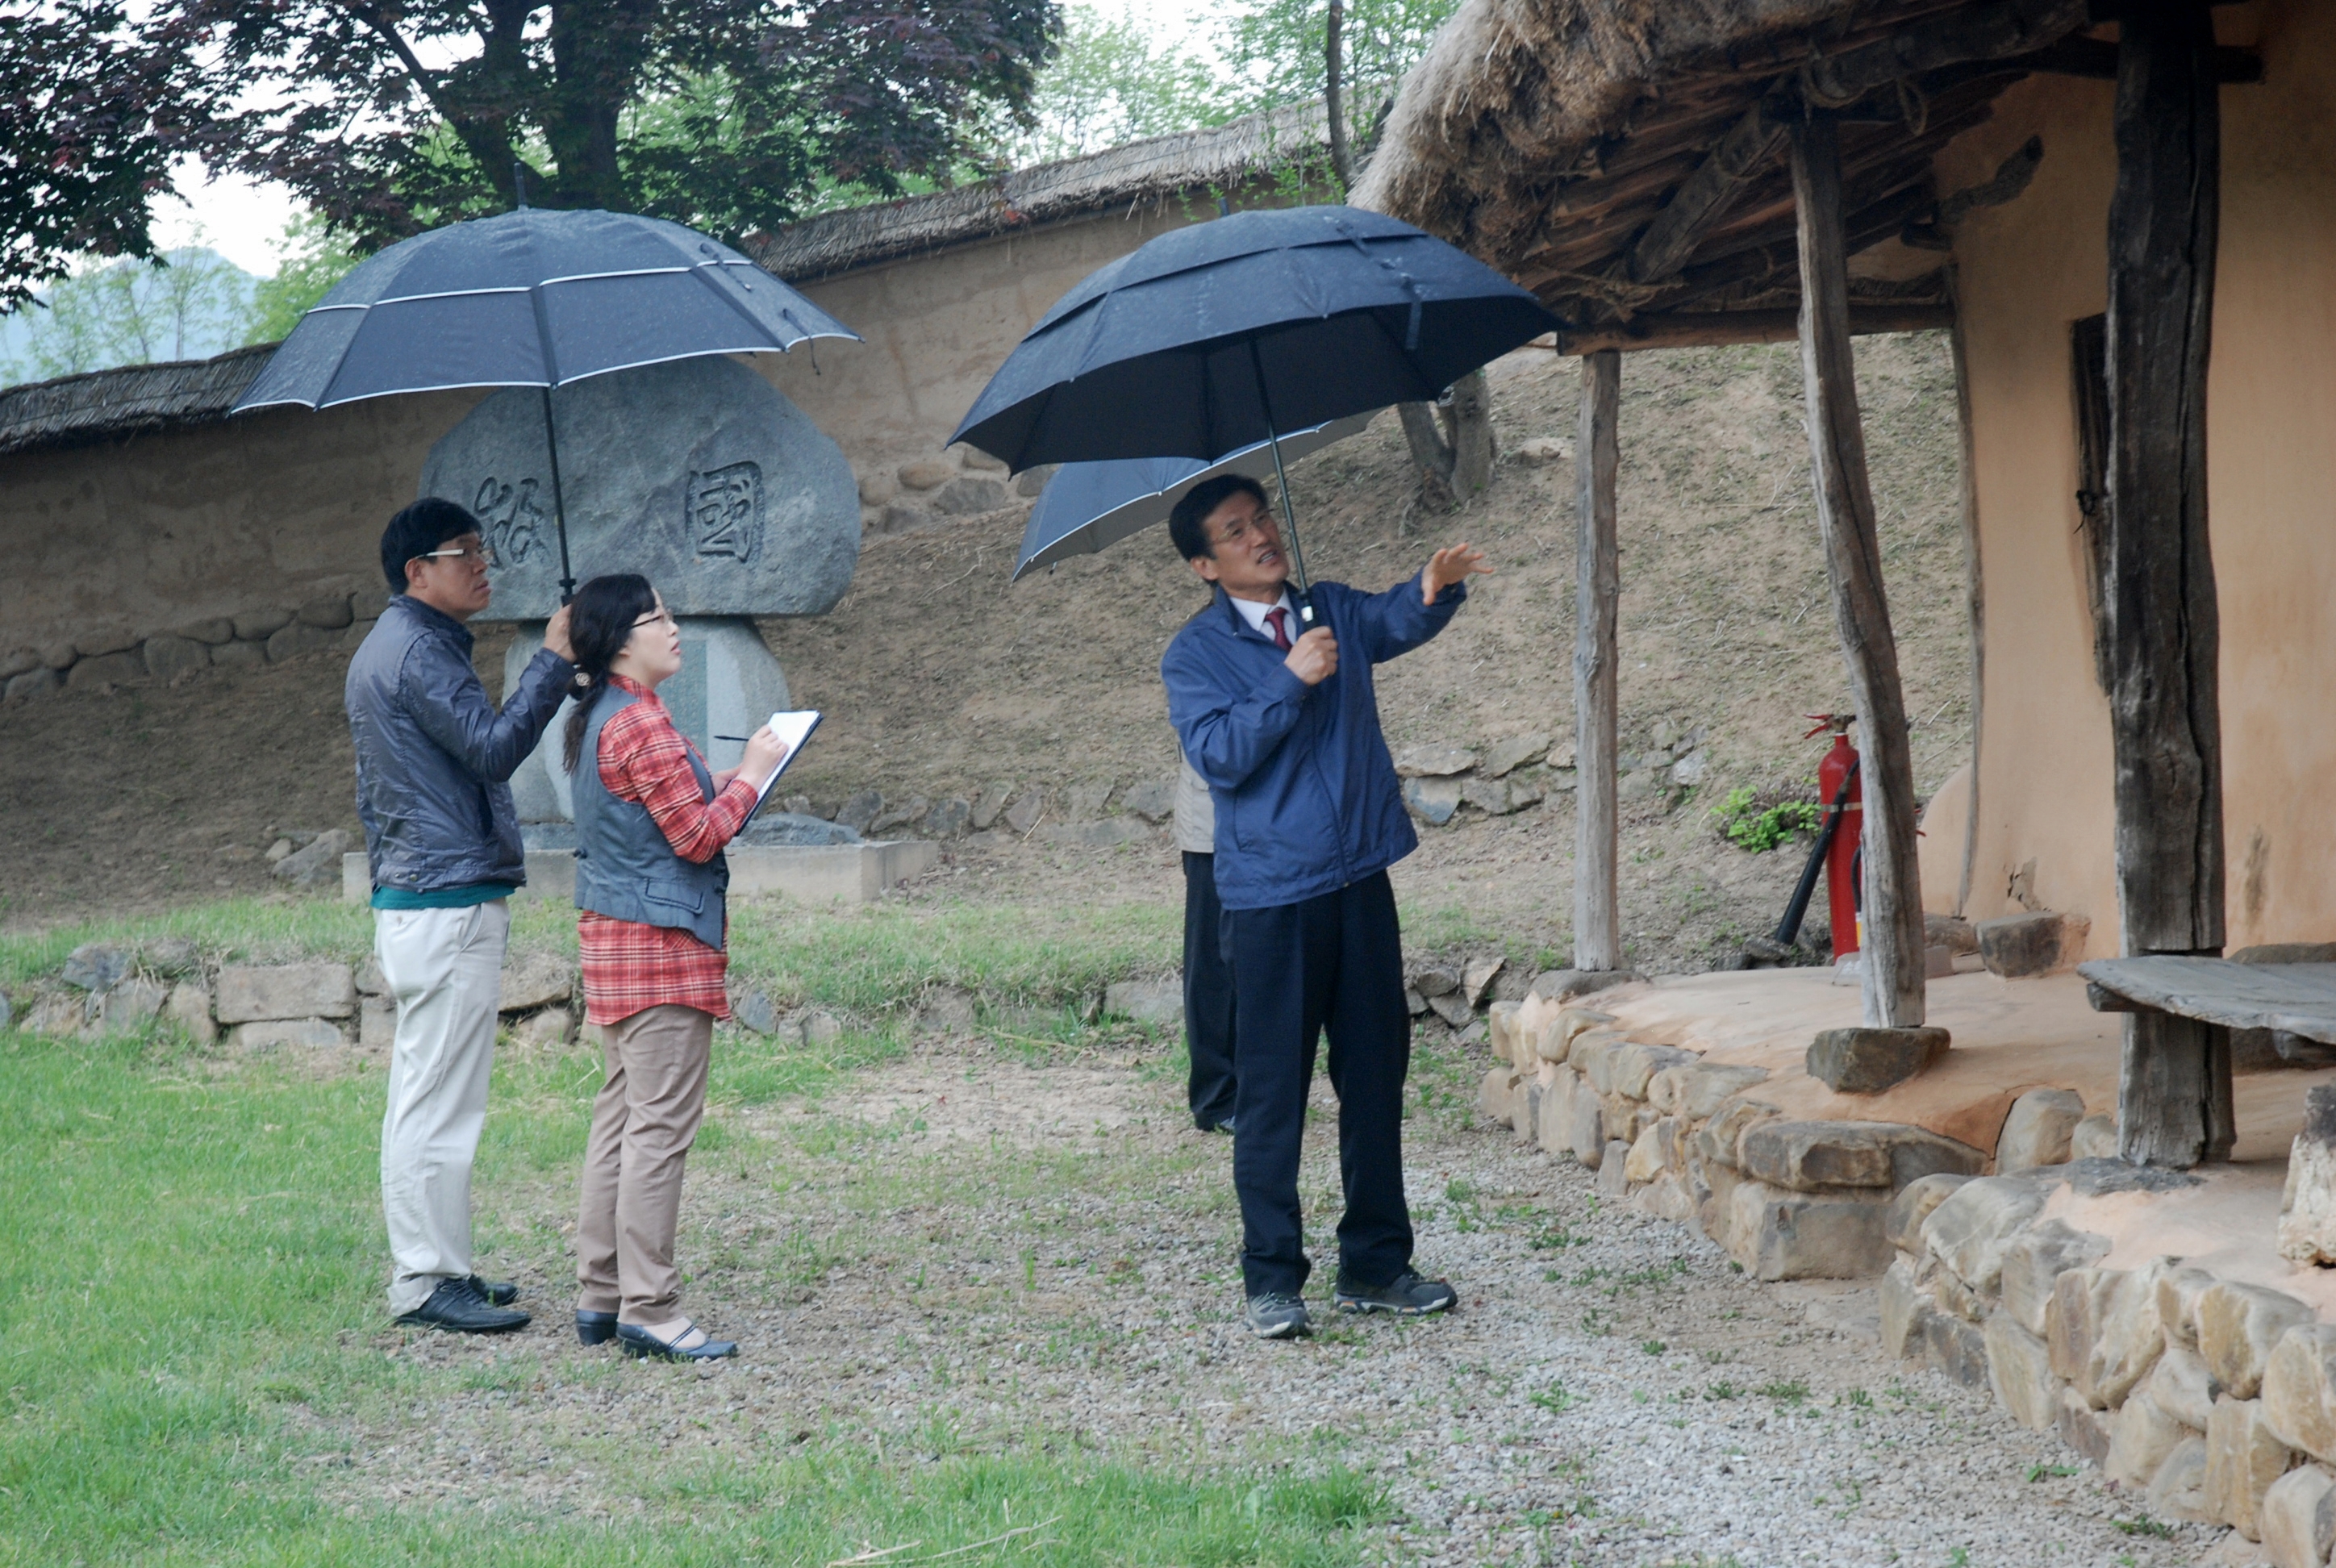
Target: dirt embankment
<point>939,676</point>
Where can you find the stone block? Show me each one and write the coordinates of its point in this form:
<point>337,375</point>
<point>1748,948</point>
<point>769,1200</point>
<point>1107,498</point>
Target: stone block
<point>1956,1349</point>
<point>549,1027</point>
<point>268,1033</point>
<point>172,957</point>
<point>327,612</point>
<point>1782,1234</point>
<point>2243,1457</point>
<point>1492,1094</point>
<point>1524,1107</point>
<point>189,1010</point>
<point>1614,1170</point>
<point>2093,1138</point>
<point>968,495</point>
<point>2289,1517</point>
<point>1591,1057</point>
<point>1156,1002</point>
<point>1500,1022</point>
<point>98,966</point>
<point>2178,1490</point>
<point>2140,1439</point>
<point>2104,1332</point>
<point>2299,1391</point>
<point>17,661</point>
<point>260,624</point>
<point>58,1017</point>
<point>1490,795</point>
<point>926,472</point>
<point>1632,1066</point>
<point>1972,1227</point>
<point>1432,761</point>
<point>1585,1127</point>
<point>2307,1209</point>
<point>1153,799</point>
<point>376,1023</point>
<point>1031,482</point>
<point>949,819</point>
<point>2038,1130</point>
<point>2031,944</point>
<point>298,638</point>
<point>1694,1091</point>
<point>1807,1156</point>
<point>33,683</point>
<point>1504,757</point>
<point>534,982</point>
<point>2035,1258</point>
<point>1433,801</point>
<point>1476,980</point>
<point>97,644</point>
<point>167,657</point>
<point>2082,1427</point>
<point>2182,1387</point>
<point>239,655</point>
<point>317,862</point>
<point>1903,1305</point>
<point>1914,1203</point>
<point>1565,985</point>
<point>1722,1138</point>
<point>2178,1292</point>
<point>131,1005</point>
<point>1868,1061</point>
<point>250,993</point>
<point>1550,1131</point>
<point>2019,1371</point>
<point>990,805</point>
<point>106,669</point>
<point>1573,1023</point>
<point>728,498</point>
<point>2238,1325</point>
<point>1649,1157</point>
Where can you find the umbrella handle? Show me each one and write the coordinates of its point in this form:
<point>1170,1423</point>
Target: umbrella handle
<point>1281,478</point>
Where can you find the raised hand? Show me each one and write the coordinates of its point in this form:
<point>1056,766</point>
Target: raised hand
<point>1450,565</point>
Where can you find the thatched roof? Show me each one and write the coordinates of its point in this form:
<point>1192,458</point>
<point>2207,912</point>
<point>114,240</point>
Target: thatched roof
<point>1546,136</point>
<point>1187,163</point>
<point>107,404</point>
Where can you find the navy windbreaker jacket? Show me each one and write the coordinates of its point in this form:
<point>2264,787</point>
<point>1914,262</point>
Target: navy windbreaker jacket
<point>1305,794</point>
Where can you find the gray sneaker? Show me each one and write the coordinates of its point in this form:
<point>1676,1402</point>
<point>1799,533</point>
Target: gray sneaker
<point>1406,1295</point>
<point>1273,1315</point>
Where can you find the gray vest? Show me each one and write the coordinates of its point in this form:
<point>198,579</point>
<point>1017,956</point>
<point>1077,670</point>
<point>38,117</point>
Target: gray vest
<point>625,869</point>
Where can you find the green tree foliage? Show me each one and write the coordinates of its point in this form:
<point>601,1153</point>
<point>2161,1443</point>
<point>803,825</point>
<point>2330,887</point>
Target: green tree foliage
<point>1274,50</point>
<point>310,259</point>
<point>186,304</point>
<point>391,116</point>
<point>1113,83</point>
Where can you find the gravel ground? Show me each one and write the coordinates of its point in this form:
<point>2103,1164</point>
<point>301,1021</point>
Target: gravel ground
<point>970,1252</point>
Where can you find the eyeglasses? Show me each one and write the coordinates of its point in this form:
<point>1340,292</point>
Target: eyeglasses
<point>662,617</point>
<point>1235,532</point>
<point>483,554</point>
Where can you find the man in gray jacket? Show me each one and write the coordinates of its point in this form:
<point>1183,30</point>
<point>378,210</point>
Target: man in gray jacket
<point>434,761</point>
<point>1208,977</point>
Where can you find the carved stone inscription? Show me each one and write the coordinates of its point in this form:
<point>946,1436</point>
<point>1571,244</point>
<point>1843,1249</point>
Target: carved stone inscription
<point>518,525</point>
<point>726,512</point>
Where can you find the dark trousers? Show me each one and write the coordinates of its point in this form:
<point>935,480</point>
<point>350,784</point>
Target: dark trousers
<point>1208,996</point>
<point>1335,963</point>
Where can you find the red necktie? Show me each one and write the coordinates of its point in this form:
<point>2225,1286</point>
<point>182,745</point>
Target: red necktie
<point>1274,618</point>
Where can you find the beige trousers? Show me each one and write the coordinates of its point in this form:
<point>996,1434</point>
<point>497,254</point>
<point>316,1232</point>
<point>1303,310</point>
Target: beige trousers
<point>444,967</point>
<point>643,1124</point>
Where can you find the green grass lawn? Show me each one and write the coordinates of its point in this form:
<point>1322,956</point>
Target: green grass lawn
<point>191,1262</point>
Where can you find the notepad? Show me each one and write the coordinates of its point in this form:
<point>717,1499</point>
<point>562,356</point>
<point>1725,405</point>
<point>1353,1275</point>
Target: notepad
<point>794,729</point>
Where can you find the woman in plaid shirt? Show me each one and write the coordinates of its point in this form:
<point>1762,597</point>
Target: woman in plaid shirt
<point>650,825</point>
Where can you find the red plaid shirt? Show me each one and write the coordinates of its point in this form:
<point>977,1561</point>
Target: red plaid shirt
<point>629,965</point>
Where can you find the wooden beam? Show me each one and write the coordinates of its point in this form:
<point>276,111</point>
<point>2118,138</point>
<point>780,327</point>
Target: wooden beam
<point>2165,715</point>
<point>2097,58</point>
<point>1597,593</point>
<point>1703,198</point>
<point>1975,595</point>
<point>1893,942</point>
<point>1995,31</point>
<point>1711,328</point>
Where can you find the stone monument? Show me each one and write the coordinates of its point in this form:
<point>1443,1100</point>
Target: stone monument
<point>696,473</point>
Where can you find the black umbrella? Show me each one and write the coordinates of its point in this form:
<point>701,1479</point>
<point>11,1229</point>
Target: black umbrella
<point>1226,334</point>
<point>533,299</point>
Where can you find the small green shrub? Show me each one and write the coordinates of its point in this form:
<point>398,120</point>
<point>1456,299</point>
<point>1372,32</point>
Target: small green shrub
<point>1758,821</point>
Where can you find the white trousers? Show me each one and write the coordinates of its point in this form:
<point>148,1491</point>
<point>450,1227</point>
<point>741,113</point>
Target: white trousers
<point>444,967</point>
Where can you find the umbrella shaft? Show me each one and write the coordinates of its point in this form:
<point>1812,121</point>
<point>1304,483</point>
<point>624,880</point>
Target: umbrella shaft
<point>558,511</point>
<point>1281,479</point>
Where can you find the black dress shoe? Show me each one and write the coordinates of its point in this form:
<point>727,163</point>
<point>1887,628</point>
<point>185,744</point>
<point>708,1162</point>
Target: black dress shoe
<point>497,1292</point>
<point>457,1305</point>
<point>640,1344</point>
<point>595,1328</point>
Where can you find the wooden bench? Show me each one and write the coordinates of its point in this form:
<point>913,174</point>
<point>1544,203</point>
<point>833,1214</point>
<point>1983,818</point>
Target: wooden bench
<point>2293,1003</point>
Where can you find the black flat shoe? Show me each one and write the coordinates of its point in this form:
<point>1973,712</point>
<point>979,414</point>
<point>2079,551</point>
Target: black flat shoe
<point>457,1306</point>
<point>595,1328</point>
<point>497,1292</point>
<point>640,1344</point>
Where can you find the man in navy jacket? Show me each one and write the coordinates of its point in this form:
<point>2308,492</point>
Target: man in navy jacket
<point>1283,722</point>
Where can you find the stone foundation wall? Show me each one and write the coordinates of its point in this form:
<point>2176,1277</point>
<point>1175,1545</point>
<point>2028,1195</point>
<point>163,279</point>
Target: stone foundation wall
<point>2214,1401</point>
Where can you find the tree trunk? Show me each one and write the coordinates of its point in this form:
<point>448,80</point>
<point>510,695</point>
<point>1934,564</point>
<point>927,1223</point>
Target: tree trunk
<point>1452,447</point>
<point>1334,94</point>
<point>1892,945</point>
<point>2164,720</point>
<point>1597,592</point>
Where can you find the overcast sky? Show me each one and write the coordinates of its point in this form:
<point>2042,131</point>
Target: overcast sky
<point>244,222</point>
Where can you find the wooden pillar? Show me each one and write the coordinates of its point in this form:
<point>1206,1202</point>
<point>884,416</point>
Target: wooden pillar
<point>2174,1096</point>
<point>1974,592</point>
<point>1596,586</point>
<point>1893,946</point>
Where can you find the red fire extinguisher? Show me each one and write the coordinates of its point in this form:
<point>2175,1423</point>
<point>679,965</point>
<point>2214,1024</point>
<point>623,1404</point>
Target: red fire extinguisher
<point>1837,788</point>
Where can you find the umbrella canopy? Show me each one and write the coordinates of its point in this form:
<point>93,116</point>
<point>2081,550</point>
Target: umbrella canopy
<point>533,298</point>
<point>1222,335</point>
<point>1088,505</point>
